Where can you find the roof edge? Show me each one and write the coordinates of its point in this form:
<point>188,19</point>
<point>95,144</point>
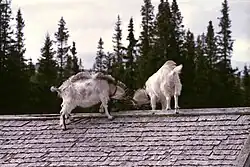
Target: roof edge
<point>243,159</point>
<point>137,113</point>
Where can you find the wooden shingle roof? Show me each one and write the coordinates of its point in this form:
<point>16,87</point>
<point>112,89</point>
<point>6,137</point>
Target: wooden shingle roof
<point>201,137</point>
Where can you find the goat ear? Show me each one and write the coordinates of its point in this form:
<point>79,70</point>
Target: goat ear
<point>178,68</point>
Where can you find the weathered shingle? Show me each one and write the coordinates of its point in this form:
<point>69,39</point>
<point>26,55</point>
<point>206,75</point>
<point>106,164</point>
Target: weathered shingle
<point>211,137</point>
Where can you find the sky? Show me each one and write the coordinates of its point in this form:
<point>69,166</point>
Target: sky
<point>88,20</point>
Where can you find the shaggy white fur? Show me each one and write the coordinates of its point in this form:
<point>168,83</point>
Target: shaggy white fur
<point>85,90</point>
<point>161,86</point>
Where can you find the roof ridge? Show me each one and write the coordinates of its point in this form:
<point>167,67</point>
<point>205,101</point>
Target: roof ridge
<point>136,113</point>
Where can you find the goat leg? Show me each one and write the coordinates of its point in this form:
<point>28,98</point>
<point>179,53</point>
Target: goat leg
<point>163,103</point>
<point>101,109</point>
<point>64,114</point>
<point>68,118</point>
<point>164,88</point>
<point>153,102</point>
<point>64,123</point>
<point>176,103</point>
<point>168,103</point>
<point>107,112</point>
<point>105,101</point>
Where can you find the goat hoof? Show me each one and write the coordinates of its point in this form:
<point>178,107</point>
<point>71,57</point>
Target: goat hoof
<point>60,124</point>
<point>71,119</point>
<point>110,117</point>
<point>63,127</point>
<point>176,110</point>
<point>67,121</point>
<point>68,116</point>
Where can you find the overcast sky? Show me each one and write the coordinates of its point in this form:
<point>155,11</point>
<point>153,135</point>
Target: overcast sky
<point>88,20</point>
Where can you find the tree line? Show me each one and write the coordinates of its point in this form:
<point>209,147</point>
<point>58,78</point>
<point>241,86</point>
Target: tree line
<point>208,78</point>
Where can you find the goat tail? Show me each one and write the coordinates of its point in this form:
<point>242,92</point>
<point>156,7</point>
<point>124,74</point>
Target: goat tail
<point>54,89</point>
<point>141,97</point>
<point>176,70</point>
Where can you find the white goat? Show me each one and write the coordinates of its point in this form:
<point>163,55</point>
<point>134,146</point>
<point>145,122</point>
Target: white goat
<point>161,86</point>
<point>85,90</point>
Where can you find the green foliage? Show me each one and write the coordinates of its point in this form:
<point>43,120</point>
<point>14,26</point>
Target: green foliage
<point>201,81</point>
<point>211,47</point>
<point>188,74</point>
<point>228,90</point>
<point>75,63</point>
<point>177,32</point>
<point>146,43</point>
<point>117,40</point>
<point>62,36</point>
<point>109,62</point>
<point>6,39</point>
<point>246,86</point>
<point>100,62</point>
<point>31,70</point>
<point>19,33</point>
<point>164,29</point>
<point>225,41</point>
<point>130,57</point>
<point>207,76</point>
<point>14,83</point>
<point>117,60</point>
<point>47,72</point>
<point>47,65</point>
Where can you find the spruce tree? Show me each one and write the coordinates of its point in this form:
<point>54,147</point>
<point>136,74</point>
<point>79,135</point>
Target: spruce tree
<point>31,70</point>
<point>211,47</point>
<point>47,73</point>
<point>212,59</point>
<point>47,70</point>
<point>228,93</point>
<point>147,34</point>
<point>81,67</point>
<point>188,74</point>
<point>131,48</point>
<point>117,66</point>
<point>6,40</point>
<point>19,49</point>
<point>178,32</point>
<point>9,64</point>
<point>20,35</point>
<point>225,41</point>
<point>6,33</point>
<point>130,56</point>
<point>164,28</point>
<point>62,36</point>
<point>109,62</point>
<point>99,65</point>
<point>117,40</point>
<point>246,86</point>
<point>68,69</point>
<point>146,42</point>
<point>201,81</point>
<point>75,65</point>
<point>19,66</point>
<point>34,94</point>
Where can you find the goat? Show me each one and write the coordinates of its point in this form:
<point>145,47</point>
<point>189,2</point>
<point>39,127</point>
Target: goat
<point>161,86</point>
<point>85,90</point>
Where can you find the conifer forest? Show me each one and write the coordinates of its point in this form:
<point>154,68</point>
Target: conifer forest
<point>207,76</point>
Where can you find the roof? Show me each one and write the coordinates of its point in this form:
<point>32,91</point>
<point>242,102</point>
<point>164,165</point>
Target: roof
<point>195,137</point>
